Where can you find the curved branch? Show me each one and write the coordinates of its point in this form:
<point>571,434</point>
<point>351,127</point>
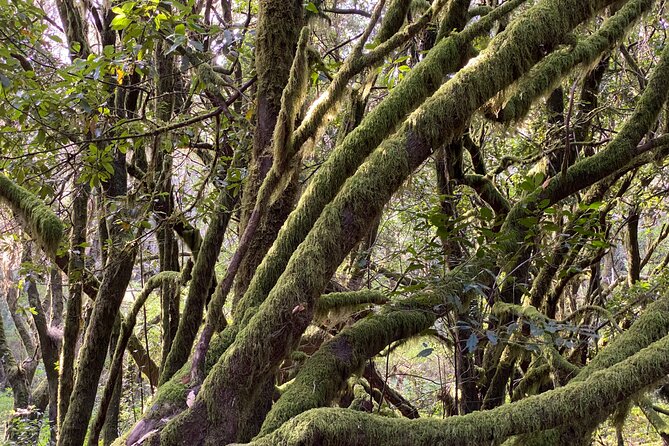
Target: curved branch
<point>576,401</point>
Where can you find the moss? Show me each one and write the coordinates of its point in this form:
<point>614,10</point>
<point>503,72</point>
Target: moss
<point>291,101</point>
<point>455,17</point>
<point>651,326</point>
<point>487,190</point>
<point>537,375</point>
<point>199,289</point>
<point>344,300</point>
<point>334,225</point>
<point>274,42</point>
<point>421,81</point>
<point>324,375</point>
<point>335,427</point>
<point>393,19</point>
<point>37,218</point>
<point>212,80</point>
<point>529,312</point>
<point>619,155</point>
<point>548,73</point>
<point>622,150</point>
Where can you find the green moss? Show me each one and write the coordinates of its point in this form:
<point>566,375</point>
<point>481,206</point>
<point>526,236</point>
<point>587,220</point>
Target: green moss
<point>651,326</point>
<point>528,312</point>
<point>37,218</point>
<point>324,375</point>
<point>393,19</point>
<point>291,101</point>
<point>423,80</point>
<point>455,17</point>
<point>576,401</point>
<point>346,300</point>
<point>536,375</point>
<point>622,150</point>
<point>274,42</point>
<point>548,73</point>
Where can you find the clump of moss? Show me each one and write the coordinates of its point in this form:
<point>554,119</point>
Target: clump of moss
<point>347,300</point>
<point>37,218</point>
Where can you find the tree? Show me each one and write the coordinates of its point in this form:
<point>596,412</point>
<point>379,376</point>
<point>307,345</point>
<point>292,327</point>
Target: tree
<point>144,97</point>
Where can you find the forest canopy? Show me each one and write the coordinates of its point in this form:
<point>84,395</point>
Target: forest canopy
<point>334,222</point>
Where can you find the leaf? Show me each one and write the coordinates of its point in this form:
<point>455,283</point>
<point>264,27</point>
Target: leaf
<point>472,342</point>
<point>486,213</point>
<point>120,22</point>
<point>425,352</point>
<point>5,81</point>
<point>311,7</point>
<point>190,399</point>
<point>492,337</point>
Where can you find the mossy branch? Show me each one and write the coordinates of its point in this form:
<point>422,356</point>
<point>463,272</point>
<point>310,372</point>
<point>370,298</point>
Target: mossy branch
<point>117,360</point>
<point>620,155</point>
<point>319,110</point>
<point>393,19</point>
<point>548,73</point>
<point>37,218</point>
<point>576,401</point>
<point>340,301</point>
<point>488,192</point>
<point>291,101</point>
<point>651,326</point>
<point>447,56</point>
<point>324,375</point>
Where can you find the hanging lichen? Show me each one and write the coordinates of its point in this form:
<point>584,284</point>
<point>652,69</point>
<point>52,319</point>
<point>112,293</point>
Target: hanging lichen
<point>549,72</point>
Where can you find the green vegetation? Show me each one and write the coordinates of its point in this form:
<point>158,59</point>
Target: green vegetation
<point>334,222</point>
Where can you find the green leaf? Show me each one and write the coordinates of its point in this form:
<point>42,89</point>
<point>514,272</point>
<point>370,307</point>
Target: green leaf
<point>486,213</point>
<point>311,7</point>
<point>120,22</point>
<point>425,352</point>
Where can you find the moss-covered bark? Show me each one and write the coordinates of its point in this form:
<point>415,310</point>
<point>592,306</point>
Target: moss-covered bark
<point>447,56</point>
<point>38,219</point>
<point>336,360</point>
<point>544,77</point>
<point>275,328</point>
<point>348,299</point>
<point>651,326</point>
<point>578,400</point>
<point>94,349</point>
